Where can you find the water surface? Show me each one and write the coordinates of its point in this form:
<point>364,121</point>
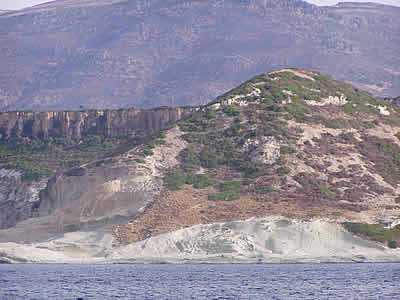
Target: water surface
<point>296,281</point>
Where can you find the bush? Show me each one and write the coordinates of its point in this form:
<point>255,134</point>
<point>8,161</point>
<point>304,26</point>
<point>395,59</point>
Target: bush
<point>190,159</point>
<point>175,180</point>
<point>287,150</point>
<point>374,232</point>
<point>325,191</point>
<point>231,110</point>
<point>264,190</point>
<point>283,171</point>
<point>297,110</point>
<point>199,181</point>
<point>229,186</point>
<point>392,244</point>
<point>208,159</point>
<point>224,196</point>
<point>147,152</point>
<point>140,160</point>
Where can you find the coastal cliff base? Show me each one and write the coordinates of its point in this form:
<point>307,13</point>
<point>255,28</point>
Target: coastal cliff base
<point>264,240</point>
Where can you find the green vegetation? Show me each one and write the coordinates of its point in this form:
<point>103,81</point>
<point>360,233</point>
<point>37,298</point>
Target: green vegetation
<point>229,186</point>
<point>199,181</point>
<point>224,196</point>
<point>283,171</point>
<point>140,160</point>
<point>232,110</point>
<point>287,150</point>
<point>37,158</point>
<point>386,156</point>
<point>325,191</point>
<point>298,111</point>
<point>176,180</point>
<point>264,190</point>
<point>190,159</point>
<point>375,232</point>
<point>228,191</point>
<point>392,244</point>
<point>200,122</point>
<point>147,152</point>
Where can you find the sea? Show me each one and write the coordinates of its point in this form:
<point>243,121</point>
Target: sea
<point>201,281</point>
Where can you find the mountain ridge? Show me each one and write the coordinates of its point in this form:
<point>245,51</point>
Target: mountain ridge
<point>124,54</point>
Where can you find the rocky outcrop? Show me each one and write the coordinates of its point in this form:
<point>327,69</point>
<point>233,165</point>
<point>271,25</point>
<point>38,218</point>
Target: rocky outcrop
<point>74,124</point>
<point>262,151</point>
<point>18,200</point>
<point>262,240</point>
<point>118,187</point>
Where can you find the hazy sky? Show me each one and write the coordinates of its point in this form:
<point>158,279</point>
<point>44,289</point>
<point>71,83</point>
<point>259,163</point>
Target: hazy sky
<point>18,4</point>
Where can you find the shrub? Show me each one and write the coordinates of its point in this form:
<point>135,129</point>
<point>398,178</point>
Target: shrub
<point>325,191</point>
<point>287,150</point>
<point>231,110</point>
<point>140,160</point>
<point>224,196</point>
<point>297,110</point>
<point>392,244</point>
<point>247,181</point>
<point>283,171</point>
<point>147,152</point>
<point>229,186</point>
<point>159,142</point>
<point>374,232</point>
<point>190,159</point>
<point>175,180</point>
<point>208,159</point>
<point>264,190</point>
<point>199,181</point>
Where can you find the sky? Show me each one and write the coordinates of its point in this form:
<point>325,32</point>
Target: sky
<point>18,4</point>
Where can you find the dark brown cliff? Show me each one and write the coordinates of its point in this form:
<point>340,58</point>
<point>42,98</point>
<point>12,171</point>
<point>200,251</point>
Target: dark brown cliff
<point>74,124</point>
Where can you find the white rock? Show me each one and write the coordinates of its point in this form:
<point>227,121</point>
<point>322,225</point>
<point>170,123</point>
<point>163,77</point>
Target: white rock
<point>262,151</point>
<point>331,100</point>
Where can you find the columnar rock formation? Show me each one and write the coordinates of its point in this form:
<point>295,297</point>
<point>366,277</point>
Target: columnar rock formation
<point>76,123</point>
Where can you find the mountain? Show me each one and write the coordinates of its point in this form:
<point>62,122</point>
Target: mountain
<point>290,166</point>
<point>119,53</point>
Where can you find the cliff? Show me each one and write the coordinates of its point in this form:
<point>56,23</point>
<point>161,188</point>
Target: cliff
<point>74,124</point>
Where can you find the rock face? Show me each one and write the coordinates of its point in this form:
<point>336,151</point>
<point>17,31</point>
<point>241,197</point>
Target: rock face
<point>274,240</point>
<point>263,240</point>
<point>76,123</point>
<point>111,54</point>
<point>18,200</point>
<point>120,187</point>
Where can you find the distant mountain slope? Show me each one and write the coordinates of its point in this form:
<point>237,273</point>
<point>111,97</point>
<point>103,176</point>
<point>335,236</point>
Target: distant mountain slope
<point>115,53</point>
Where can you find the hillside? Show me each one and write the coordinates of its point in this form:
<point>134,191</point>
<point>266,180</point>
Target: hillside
<point>294,153</point>
<point>292,143</point>
<point>118,53</point>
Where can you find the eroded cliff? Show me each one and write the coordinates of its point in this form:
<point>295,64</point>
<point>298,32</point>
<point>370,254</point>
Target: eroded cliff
<point>74,124</point>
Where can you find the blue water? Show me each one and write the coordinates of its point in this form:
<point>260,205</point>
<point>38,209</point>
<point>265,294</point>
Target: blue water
<point>318,281</point>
